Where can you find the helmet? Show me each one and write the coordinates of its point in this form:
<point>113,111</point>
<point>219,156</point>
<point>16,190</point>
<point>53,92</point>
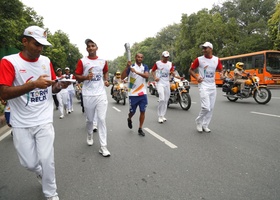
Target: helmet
<point>118,74</point>
<point>239,65</point>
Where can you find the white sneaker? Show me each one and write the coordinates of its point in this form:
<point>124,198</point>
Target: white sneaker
<point>72,110</point>
<point>104,151</point>
<point>39,177</point>
<point>164,119</point>
<point>206,129</point>
<point>160,120</point>
<point>53,198</point>
<point>199,127</point>
<point>61,117</point>
<point>90,139</point>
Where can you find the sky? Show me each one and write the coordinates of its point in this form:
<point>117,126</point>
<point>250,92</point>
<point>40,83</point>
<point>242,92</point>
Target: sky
<point>112,23</point>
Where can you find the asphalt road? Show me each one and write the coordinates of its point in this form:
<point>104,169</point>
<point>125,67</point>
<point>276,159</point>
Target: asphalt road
<point>238,160</point>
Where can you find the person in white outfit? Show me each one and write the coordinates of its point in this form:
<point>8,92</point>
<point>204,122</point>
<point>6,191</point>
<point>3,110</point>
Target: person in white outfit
<point>93,72</point>
<point>27,81</point>
<point>207,65</point>
<point>161,72</point>
<point>70,89</point>
<point>62,96</point>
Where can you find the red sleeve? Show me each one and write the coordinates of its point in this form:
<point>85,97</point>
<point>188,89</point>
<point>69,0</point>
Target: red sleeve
<point>220,66</point>
<point>195,64</point>
<point>106,68</point>
<point>154,68</point>
<point>7,73</point>
<point>79,68</point>
<point>172,68</point>
<point>52,72</point>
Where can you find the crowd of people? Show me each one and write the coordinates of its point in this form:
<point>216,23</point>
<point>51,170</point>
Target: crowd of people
<point>33,137</point>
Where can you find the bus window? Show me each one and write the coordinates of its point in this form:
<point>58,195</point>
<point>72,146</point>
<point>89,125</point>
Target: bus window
<point>259,63</point>
<point>249,64</point>
<point>273,63</point>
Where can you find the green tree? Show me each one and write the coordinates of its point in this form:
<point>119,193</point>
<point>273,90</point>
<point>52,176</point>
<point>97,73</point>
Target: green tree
<point>274,28</point>
<point>62,53</point>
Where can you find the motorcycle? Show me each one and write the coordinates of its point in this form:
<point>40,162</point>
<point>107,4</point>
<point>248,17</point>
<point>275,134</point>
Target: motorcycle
<point>180,93</point>
<point>78,93</point>
<point>260,93</point>
<point>120,93</point>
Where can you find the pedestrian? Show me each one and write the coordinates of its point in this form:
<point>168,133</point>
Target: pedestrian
<point>56,103</point>
<point>161,72</point>
<point>137,92</point>
<point>207,65</point>
<point>27,81</point>
<point>79,90</point>
<point>62,96</point>
<point>7,112</point>
<point>93,72</point>
<point>71,90</point>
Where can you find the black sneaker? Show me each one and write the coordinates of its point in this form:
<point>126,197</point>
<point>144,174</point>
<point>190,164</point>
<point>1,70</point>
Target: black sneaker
<point>140,132</point>
<point>129,123</point>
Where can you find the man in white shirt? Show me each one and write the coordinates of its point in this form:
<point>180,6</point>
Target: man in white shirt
<point>93,72</point>
<point>207,65</point>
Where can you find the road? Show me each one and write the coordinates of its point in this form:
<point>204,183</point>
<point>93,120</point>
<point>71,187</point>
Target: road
<point>238,160</point>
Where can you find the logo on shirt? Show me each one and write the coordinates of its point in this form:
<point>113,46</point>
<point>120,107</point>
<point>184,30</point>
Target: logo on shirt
<point>36,95</point>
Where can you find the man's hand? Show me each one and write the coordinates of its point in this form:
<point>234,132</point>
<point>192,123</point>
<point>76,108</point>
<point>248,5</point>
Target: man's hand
<point>42,82</point>
<point>89,76</point>
<point>106,83</point>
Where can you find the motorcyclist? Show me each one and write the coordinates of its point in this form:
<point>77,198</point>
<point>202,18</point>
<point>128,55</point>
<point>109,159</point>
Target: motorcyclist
<point>226,75</point>
<point>239,77</point>
<point>116,80</point>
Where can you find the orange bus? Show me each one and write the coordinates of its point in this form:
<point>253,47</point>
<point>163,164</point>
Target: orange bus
<point>265,64</point>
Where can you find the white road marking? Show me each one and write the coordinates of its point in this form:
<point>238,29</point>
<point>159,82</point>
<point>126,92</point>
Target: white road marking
<point>171,145</point>
<point>266,114</point>
<point>116,109</point>
<point>275,97</point>
<point>2,137</point>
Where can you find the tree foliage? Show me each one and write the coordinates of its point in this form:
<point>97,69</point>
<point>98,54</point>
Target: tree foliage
<point>15,17</point>
<point>274,28</point>
<point>233,27</point>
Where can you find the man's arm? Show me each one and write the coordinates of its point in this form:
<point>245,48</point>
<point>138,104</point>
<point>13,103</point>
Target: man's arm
<point>124,72</point>
<point>10,92</point>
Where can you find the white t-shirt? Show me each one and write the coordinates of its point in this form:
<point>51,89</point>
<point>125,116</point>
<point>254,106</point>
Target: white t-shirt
<point>35,107</point>
<point>163,72</point>
<point>207,68</point>
<point>71,86</point>
<point>98,67</point>
<point>137,84</point>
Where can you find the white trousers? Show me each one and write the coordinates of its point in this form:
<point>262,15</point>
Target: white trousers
<point>207,101</point>
<point>63,101</point>
<point>96,105</point>
<point>164,95</point>
<point>34,147</point>
<point>70,99</point>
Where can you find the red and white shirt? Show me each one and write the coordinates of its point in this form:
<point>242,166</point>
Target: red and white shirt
<point>35,107</point>
<point>206,69</point>
<point>163,71</point>
<point>98,67</point>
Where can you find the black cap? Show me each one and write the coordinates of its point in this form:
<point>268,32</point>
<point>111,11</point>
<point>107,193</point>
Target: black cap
<point>89,40</point>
